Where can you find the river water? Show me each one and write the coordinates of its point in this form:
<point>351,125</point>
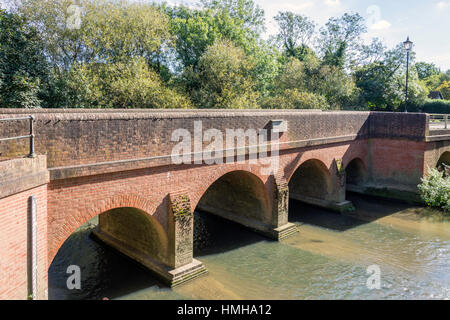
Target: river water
<point>327,259</point>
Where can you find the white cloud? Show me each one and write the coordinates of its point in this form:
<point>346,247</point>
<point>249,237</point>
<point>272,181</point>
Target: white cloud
<point>380,25</point>
<point>332,3</point>
<point>443,4</point>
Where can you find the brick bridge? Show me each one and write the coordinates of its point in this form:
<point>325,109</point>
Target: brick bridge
<point>117,165</point>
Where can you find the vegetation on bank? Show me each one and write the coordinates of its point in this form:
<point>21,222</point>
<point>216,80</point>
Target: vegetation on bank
<point>435,190</point>
<point>128,54</point>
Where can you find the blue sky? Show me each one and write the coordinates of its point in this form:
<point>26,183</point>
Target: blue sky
<point>427,22</point>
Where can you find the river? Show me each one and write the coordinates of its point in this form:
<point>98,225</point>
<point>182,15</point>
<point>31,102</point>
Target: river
<point>327,259</point>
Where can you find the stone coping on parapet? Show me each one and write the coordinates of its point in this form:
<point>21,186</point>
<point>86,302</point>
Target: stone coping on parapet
<point>112,110</point>
<point>17,175</point>
<point>179,112</point>
<point>156,114</point>
<point>171,114</point>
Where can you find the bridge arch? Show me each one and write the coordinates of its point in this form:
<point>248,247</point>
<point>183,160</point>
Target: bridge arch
<point>356,172</point>
<point>311,179</point>
<point>129,217</point>
<point>237,195</point>
<point>444,159</point>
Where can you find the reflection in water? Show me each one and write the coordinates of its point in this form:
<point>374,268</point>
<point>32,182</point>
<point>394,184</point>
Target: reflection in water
<point>327,259</point>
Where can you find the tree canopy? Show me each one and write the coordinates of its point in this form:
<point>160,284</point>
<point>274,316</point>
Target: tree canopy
<point>134,54</point>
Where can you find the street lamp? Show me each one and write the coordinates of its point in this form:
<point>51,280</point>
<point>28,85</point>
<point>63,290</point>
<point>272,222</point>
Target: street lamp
<point>408,46</point>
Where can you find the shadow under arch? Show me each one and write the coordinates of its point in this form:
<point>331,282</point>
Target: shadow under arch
<point>238,196</point>
<point>444,159</point>
<point>311,180</point>
<point>129,227</point>
<point>356,173</point>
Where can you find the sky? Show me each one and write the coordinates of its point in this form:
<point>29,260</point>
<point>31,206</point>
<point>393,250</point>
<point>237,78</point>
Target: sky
<point>426,22</point>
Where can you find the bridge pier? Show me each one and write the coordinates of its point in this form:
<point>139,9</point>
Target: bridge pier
<point>280,210</point>
<point>181,241</point>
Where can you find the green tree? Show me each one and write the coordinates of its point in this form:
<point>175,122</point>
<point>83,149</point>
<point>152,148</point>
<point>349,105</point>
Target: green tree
<point>295,33</point>
<point>295,99</point>
<point>382,83</point>
<point>312,76</point>
<point>340,39</point>
<point>197,29</point>
<point>425,70</point>
<point>223,78</point>
<point>108,30</point>
<point>444,88</point>
<point>111,36</point>
<point>23,68</point>
<point>433,81</point>
<point>248,14</point>
<point>131,84</point>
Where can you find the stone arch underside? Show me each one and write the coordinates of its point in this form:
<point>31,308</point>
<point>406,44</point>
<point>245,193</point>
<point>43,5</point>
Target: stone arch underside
<point>129,225</point>
<point>239,196</point>
<point>356,173</point>
<point>135,230</point>
<point>311,180</point>
<point>444,159</point>
<point>443,163</point>
<point>313,183</point>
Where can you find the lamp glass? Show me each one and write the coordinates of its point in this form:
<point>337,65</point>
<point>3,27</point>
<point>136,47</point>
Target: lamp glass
<point>407,45</point>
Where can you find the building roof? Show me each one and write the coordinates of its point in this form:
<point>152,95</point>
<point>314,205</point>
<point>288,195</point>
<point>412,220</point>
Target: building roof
<point>435,95</point>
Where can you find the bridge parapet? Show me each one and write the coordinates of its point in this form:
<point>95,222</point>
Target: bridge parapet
<point>75,140</point>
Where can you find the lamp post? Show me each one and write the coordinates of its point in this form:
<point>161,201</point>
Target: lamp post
<point>408,46</point>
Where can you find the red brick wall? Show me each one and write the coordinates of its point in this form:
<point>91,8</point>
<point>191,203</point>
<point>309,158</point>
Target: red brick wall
<point>72,202</point>
<point>396,163</point>
<point>14,241</point>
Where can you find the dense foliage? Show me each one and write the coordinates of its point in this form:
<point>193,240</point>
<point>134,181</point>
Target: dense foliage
<point>130,54</point>
<point>435,190</point>
<point>23,67</point>
<point>436,106</point>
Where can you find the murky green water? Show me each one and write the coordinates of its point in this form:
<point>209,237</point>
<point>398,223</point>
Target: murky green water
<point>327,259</point>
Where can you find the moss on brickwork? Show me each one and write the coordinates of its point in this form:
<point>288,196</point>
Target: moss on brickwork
<point>340,167</point>
<point>181,206</point>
